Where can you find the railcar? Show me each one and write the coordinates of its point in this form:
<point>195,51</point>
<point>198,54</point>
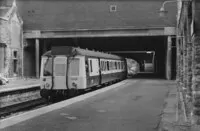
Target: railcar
<point>132,67</point>
<point>67,70</point>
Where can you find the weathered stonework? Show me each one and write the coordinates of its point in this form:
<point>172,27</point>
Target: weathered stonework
<point>196,81</point>
<point>188,62</point>
<point>10,37</point>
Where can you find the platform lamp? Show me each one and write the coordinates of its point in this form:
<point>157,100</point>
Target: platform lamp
<point>163,12</point>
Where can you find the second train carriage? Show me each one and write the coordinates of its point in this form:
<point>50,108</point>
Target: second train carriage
<point>66,70</point>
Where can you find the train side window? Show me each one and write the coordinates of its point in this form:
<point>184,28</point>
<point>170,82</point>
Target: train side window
<point>91,66</point>
<point>110,65</point>
<point>105,65</point>
<point>101,65</point>
<point>86,66</point>
<point>115,65</point>
<point>108,68</point>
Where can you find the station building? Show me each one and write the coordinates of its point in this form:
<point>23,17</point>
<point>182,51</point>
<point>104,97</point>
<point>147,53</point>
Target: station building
<point>10,42</point>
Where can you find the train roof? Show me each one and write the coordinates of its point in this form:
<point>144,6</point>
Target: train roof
<point>72,51</point>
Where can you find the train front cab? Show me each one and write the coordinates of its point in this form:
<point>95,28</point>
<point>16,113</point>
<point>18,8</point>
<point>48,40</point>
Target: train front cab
<point>62,76</point>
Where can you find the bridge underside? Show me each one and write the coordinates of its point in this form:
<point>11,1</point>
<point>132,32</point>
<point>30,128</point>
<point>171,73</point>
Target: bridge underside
<point>136,44</point>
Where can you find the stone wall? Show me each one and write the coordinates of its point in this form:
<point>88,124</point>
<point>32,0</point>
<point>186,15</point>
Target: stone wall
<point>188,64</point>
<point>10,36</point>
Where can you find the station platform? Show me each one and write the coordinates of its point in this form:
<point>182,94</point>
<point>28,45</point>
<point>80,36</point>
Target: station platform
<point>131,105</point>
<point>16,84</point>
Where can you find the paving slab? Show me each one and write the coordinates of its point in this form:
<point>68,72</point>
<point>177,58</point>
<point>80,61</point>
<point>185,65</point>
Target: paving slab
<point>170,119</point>
<point>134,106</point>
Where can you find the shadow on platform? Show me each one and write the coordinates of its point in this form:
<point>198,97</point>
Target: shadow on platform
<point>147,75</point>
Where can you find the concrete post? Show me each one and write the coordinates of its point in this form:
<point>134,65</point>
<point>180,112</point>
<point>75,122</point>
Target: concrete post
<point>168,59</point>
<point>178,62</point>
<point>37,58</point>
<point>44,48</point>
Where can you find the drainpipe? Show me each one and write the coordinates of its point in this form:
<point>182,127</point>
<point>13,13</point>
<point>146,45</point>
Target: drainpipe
<point>22,40</point>
<point>37,57</point>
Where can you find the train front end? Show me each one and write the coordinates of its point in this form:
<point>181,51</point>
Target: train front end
<point>53,76</point>
<point>62,75</point>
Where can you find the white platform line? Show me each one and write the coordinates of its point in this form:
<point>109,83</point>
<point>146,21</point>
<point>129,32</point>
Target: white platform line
<point>34,113</point>
<point>19,88</point>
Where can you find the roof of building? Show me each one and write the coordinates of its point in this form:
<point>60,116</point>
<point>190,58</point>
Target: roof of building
<point>5,12</point>
<point>93,14</point>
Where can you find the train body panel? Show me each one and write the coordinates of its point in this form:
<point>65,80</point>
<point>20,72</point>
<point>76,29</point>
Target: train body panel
<point>77,73</point>
<point>93,71</point>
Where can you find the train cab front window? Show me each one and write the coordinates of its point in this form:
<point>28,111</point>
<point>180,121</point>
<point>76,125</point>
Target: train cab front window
<point>47,64</point>
<point>74,67</point>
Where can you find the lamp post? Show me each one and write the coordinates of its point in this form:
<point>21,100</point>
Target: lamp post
<point>163,12</point>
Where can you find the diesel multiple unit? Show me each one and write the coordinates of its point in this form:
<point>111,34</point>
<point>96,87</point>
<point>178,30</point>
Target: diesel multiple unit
<point>67,70</point>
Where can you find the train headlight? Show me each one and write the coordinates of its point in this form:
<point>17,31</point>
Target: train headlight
<point>47,85</point>
<point>74,85</point>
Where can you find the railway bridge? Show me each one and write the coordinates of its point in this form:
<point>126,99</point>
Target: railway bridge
<point>132,28</point>
<point>102,25</point>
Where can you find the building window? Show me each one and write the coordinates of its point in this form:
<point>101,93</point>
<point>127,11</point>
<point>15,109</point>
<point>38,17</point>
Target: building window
<point>15,61</point>
<point>113,8</point>
<point>15,66</point>
<point>15,54</point>
<point>2,57</point>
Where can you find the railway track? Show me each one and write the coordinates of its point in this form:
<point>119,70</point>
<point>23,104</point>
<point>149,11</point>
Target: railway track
<point>12,101</point>
<point>22,100</point>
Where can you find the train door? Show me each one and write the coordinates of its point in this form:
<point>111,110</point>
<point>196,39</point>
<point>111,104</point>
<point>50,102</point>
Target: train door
<point>74,73</point>
<point>60,67</point>
<point>93,78</point>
